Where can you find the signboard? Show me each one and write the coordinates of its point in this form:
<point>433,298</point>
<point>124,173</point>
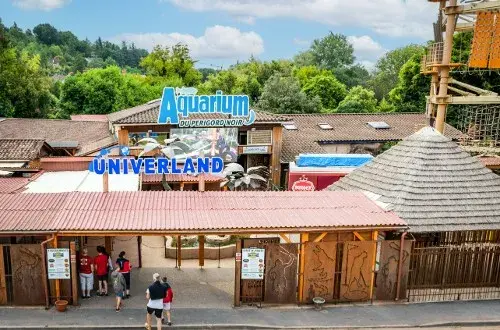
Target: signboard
<point>255,150</point>
<point>58,264</point>
<point>209,142</point>
<point>252,266</point>
<point>177,104</point>
<point>303,185</point>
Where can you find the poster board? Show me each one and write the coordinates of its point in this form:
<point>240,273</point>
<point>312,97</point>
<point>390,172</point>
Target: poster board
<point>252,264</point>
<point>58,264</point>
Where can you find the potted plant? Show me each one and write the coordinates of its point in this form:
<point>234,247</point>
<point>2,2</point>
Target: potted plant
<point>61,305</point>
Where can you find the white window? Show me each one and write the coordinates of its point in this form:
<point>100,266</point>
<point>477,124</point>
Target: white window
<point>325,126</point>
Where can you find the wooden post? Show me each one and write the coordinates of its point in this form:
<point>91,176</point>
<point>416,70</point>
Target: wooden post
<point>123,137</point>
<point>302,262</point>
<point>3,286</point>
<point>237,275</point>
<point>201,183</point>
<point>182,186</point>
<point>74,274</point>
<point>201,250</point>
<point>108,245</point>
<point>374,261</point>
<point>445,69</point>
<point>179,251</point>
<point>276,155</point>
<point>57,282</point>
<point>105,182</point>
<point>139,250</point>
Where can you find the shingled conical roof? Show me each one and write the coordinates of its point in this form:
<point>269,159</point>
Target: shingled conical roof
<point>430,182</point>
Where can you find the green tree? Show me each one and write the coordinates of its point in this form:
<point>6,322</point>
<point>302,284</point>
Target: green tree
<point>358,100</point>
<point>332,52</point>
<point>283,95</point>
<point>388,67</point>
<point>329,90</point>
<point>47,34</point>
<point>385,106</point>
<point>354,75</point>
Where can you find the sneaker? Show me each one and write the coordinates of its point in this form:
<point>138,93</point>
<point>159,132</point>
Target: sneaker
<point>147,326</point>
<point>162,320</point>
<point>169,324</point>
<point>106,294</point>
<point>117,310</point>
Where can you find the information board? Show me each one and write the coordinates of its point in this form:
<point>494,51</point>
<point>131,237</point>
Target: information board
<point>58,264</point>
<point>252,264</point>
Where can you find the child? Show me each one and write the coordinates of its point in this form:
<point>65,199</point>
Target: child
<point>119,286</point>
<point>167,300</point>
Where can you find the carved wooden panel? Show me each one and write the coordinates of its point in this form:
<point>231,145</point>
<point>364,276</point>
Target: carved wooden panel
<point>281,273</point>
<point>357,269</point>
<point>319,270</point>
<point>27,274</point>
<point>388,271</point>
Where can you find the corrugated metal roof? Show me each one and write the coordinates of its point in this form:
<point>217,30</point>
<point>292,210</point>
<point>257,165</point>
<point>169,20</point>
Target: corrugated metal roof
<point>155,178</point>
<point>12,185</point>
<point>191,211</point>
<point>69,181</point>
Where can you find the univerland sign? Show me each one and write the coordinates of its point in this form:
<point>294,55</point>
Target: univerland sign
<point>185,102</point>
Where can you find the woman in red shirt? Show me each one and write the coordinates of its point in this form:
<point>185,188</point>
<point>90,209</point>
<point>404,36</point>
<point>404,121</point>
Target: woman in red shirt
<point>102,271</point>
<point>86,273</point>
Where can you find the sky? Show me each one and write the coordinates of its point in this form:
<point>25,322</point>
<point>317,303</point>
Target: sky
<point>222,32</point>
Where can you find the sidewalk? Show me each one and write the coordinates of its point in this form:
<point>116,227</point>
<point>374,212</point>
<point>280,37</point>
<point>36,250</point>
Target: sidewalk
<point>474,313</point>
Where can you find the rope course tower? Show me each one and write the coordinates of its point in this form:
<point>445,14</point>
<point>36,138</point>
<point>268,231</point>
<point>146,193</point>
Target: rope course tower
<point>479,109</point>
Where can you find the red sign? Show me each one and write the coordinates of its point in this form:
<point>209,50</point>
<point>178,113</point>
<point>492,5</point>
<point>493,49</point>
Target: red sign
<point>303,185</point>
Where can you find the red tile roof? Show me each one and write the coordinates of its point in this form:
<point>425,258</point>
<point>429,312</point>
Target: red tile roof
<point>156,178</point>
<point>185,211</point>
<point>12,185</point>
<point>490,160</point>
<point>22,149</point>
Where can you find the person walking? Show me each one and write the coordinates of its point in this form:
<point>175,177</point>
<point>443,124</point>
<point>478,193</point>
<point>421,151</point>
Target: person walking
<point>155,293</point>
<point>119,286</point>
<point>167,301</point>
<point>86,273</point>
<point>102,271</point>
<point>125,268</point>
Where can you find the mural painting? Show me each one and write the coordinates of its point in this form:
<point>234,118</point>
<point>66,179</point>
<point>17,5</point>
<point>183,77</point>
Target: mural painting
<point>357,269</point>
<point>319,270</point>
<point>27,274</point>
<point>388,272</point>
<point>281,273</point>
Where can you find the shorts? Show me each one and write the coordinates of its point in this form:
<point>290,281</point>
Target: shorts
<point>86,282</point>
<point>166,306</point>
<point>158,312</point>
<point>103,278</point>
<point>127,280</point>
<point>119,294</point>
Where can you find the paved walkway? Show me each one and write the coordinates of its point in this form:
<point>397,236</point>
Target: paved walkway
<point>475,314</point>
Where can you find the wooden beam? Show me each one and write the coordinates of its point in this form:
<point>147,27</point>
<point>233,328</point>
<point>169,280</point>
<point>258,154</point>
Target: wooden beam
<point>237,274</point>
<point>74,273</point>
<point>374,261</point>
<point>304,237</point>
<point>123,137</point>
<point>57,282</point>
<point>285,238</point>
<point>108,245</point>
<point>276,155</point>
<point>320,237</point>
<point>182,186</point>
<point>179,251</point>
<point>358,236</point>
<point>3,282</point>
<point>201,250</point>
<point>472,8</point>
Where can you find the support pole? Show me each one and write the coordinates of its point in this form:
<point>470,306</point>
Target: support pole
<point>139,243</point>
<point>44,272</point>
<point>108,245</point>
<point>302,262</point>
<point>74,277</point>
<point>57,281</point>
<point>374,262</point>
<point>445,69</point>
<point>400,264</point>
<point>179,251</point>
<point>237,275</point>
<point>201,250</point>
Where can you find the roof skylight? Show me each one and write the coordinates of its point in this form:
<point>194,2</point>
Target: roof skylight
<point>379,124</point>
<point>325,126</point>
<point>290,127</point>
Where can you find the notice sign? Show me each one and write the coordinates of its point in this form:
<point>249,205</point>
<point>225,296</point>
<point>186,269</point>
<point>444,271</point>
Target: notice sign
<point>58,264</point>
<point>252,266</point>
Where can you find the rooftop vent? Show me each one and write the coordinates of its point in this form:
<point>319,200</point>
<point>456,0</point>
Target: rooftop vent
<point>379,124</point>
<point>325,126</point>
<point>290,127</point>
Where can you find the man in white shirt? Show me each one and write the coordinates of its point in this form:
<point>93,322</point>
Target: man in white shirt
<point>155,293</point>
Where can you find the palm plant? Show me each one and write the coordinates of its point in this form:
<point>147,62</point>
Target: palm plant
<point>236,177</point>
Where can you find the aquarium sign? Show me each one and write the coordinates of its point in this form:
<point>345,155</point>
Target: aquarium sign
<point>161,165</point>
<point>177,104</point>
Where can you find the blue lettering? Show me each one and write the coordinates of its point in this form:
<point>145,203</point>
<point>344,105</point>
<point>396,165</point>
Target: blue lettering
<point>227,104</point>
<point>204,104</point>
<point>203,165</point>
<point>182,105</point>
<point>114,166</point>
<point>163,166</point>
<point>136,165</point>
<point>240,106</point>
<point>168,107</point>
<point>217,165</point>
<point>149,166</point>
<point>175,169</point>
<point>193,104</point>
<point>218,96</point>
<point>98,165</point>
<point>189,166</point>
<point>125,166</point>
<point>213,101</point>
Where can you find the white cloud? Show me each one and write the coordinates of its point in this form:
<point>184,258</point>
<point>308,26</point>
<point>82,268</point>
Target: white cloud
<point>46,5</point>
<point>394,18</point>
<point>301,42</point>
<point>217,42</point>
<point>365,48</point>
<point>246,19</point>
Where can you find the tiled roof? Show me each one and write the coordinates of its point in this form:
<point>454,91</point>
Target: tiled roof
<point>52,130</point>
<point>183,211</point>
<point>103,118</point>
<point>490,160</point>
<point>12,185</point>
<point>92,147</point>
<point>433,184</point>
<point>349,128</point>
<point>21,149</point>
<point>156,178</point>
<point>148,114</point>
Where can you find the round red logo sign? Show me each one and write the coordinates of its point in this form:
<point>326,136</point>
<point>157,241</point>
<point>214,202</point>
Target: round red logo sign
<point>303,185</point>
